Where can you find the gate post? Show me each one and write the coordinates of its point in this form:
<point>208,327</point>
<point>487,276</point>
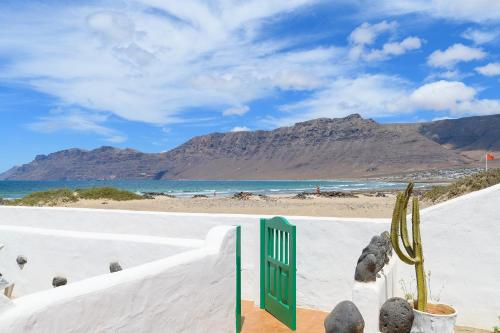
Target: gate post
<point>238,279</point>
<point>262,263</point>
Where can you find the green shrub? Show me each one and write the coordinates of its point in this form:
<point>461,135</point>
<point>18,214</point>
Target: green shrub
<point>110,193</point>
<point>64,195</point>
<point>45,198</point>
<point>464,185</point>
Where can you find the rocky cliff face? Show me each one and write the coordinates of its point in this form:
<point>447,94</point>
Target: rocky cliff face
<point>78,164</point>
<point>320,148</point>
<point>466,134</point>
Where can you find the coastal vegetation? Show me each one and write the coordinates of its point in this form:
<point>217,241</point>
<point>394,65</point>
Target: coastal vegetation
<point>45,198</point>
<point>63,196</point>
<point>463,186</point>
<point>110,193</point>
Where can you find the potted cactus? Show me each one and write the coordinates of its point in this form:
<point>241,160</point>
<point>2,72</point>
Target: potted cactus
<point>439,318</point>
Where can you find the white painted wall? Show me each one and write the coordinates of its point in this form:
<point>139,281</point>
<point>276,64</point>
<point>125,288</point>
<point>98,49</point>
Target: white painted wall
<point>75,255</point>
<point>461,240</point>
<point>193,291</point>
<point>461,243</point>
<point>370,296</point>
<point>327,248</point>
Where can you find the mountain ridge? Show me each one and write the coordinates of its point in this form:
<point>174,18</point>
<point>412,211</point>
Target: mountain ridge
<point>319,148</point>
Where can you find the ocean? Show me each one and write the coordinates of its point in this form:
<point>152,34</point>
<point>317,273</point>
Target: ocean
<point>186,188</point>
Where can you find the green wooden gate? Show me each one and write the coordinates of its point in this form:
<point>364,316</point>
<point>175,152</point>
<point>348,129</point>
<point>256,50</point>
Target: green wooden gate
<point>278,270</point>
<point>238,279</point>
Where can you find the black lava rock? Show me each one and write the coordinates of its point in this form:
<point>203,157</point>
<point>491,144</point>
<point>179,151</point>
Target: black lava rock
<point>396,316</point>
<point>115,267</point>
<point>366,269</point>
<point>152,195</point>
<point>21,261</point>
<point>243,195</point>
<point>376,253</point>
<point>345,318</point>
<point>59,281</point>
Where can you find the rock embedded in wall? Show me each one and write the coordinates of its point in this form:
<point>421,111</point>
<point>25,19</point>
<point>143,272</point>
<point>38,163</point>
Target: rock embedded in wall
<point>366,269</point>
<point>59,281</point>
<point>345,318</point>
<point>115,267</point>
<point>21,261</point>
<point>373,258</point>
<point>396,316</point>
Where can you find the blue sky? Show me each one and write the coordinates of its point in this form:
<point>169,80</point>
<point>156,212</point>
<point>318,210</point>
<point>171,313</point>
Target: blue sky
<point>150,74</point>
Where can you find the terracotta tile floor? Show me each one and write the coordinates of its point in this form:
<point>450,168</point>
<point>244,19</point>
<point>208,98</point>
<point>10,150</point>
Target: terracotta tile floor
<point>256,320</point>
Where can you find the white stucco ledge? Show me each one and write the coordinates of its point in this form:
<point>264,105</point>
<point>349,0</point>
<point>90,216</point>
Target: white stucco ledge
<point>76,255</point>
<point>188,292</point>
<point>370,296</point>
<point>180,242</point>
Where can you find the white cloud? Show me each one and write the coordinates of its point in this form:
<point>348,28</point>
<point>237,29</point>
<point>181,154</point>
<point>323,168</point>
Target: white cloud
<point>382,96</point>
<point>441,95</point>
<point>112,26</point>
<point>394,49</point>
<point>409,43</point>
<point>296,80</point>
<point>236,111</point>
<point>368,95</point>
<point>153,60</point>
<point>455,54</point>
<point>481,36</point>
<point>366,34</point>
<point>452,74</point>
<point>240,129</point>
<point>76,120</point>
<point>460,10</point>
<point>454,97</point>
<point>491,69</point>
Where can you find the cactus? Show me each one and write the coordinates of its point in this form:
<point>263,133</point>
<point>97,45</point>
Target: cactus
<point>413,255</point>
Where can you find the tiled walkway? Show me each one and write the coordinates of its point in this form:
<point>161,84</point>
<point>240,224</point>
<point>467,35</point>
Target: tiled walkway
<point>256,320</point>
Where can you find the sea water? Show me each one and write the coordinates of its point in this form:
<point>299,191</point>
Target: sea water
<point>186,188</point>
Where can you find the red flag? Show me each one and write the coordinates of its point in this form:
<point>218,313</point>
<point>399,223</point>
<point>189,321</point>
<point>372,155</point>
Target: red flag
<point>490,157</point>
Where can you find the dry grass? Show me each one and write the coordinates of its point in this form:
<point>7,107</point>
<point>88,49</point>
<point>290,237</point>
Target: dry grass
<point>110,193</point>
<point>63,196</point>
<point>45,198</point>
<point>464,185</point>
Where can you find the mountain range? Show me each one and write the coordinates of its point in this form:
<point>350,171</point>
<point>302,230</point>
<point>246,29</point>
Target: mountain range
<point>321,149</point>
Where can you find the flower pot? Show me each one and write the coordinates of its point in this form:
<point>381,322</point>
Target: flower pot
<point>439,318</point>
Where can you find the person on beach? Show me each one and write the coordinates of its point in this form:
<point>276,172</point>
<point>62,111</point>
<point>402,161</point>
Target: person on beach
<point>318,190</point>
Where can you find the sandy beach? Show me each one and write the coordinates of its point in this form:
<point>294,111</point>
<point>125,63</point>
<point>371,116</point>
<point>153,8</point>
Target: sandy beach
<point>363,205</point>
